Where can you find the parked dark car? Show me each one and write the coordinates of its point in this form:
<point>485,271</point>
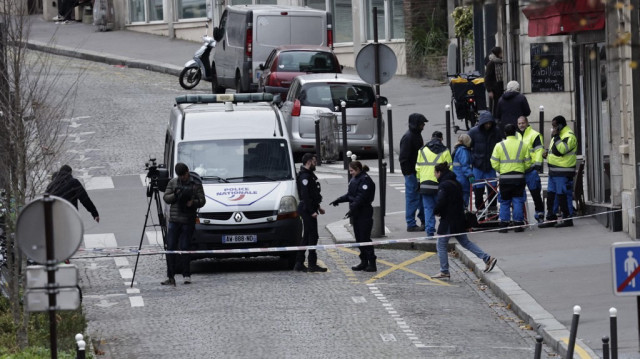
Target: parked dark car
<point>286,62</point>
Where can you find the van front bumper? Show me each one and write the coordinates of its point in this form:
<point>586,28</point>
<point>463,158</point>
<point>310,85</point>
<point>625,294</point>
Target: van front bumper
<point>282,233</point>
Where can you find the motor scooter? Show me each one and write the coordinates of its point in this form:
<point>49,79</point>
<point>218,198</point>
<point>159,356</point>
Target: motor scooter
<point>200,67</point>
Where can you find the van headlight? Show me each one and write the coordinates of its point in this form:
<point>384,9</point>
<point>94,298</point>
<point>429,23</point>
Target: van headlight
<point>288,208</point>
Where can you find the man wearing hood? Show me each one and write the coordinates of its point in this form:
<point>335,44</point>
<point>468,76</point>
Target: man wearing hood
<point>494,77</point>
<point>484,137</point>
<point>511,106</point>
<point>410,144</point>
<point>65,186</point>
<point>433,153</point>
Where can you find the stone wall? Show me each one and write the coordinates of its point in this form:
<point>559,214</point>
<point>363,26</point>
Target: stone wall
<point>416,13</point>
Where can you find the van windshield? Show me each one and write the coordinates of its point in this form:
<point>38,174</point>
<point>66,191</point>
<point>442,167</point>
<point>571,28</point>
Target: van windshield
<point>239,160</point>
<point>330,94</point>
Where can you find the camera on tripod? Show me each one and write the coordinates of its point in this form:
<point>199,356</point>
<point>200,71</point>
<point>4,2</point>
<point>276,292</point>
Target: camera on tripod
<point>158,176</point>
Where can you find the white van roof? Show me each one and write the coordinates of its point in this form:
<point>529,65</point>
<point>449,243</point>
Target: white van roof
<point>207,121</point>
<point>273,8</point>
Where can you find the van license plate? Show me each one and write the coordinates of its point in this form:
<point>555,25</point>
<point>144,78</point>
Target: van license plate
<point>348,128</point>
<point>240,238</point>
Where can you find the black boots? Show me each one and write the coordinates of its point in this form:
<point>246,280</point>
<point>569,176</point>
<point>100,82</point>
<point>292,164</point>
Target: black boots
<point>503,227</point>
<point>371,266</point>
<point>361,266</point>
<point>519,229</point>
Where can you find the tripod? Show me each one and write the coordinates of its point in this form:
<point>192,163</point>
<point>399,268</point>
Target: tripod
<point>154,195</point>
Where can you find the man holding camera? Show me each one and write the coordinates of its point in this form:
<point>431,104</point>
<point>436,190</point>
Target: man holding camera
<point>185,195</point>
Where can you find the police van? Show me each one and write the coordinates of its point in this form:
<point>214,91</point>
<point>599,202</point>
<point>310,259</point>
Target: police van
<point>239,146</point>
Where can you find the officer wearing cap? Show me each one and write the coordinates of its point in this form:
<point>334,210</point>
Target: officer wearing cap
<point>309,208</point>
<point>433,153</point>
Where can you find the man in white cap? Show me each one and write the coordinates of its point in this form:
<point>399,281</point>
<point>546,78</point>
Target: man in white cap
<point>511,105</point>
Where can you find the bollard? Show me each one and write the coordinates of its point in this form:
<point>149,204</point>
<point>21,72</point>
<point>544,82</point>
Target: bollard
<point>81,350</point>
<point>605,347</point>
<point>350,157</point>
<point>542,130</point>
<point>390,137</point>
<point>447,124</point>
<point>613,332</point>
<point>343,108</point>
<point>383,193</point>
<point>574,331</point>
<point>538,352</point>
<point>318,150</point>
<point>80,346</point>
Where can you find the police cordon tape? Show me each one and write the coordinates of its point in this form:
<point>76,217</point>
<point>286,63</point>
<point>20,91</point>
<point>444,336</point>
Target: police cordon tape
<point>133,251</point>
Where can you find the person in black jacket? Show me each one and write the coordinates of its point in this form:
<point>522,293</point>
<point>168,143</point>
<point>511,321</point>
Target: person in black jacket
<point>450,208</point>
<point>65,186</point>
<point>494,77</point>
<point>511,106</point>
<point>410,144</point>
<point>360,195</point>
<point>309,208</point>
<point>484,137</point>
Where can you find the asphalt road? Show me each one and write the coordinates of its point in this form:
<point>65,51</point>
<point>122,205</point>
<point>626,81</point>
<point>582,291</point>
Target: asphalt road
<point>251,308</point>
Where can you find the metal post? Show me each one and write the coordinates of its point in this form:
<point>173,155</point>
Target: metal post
<point>635,86</point>
<point>447,124</point>
<point>538,352</point>
<point>318,150</point>
<point>51,273</point>
<point>574,331</point>
<point>390,136</point>
<point>381,164</point>
<point>350,157</point>
<point>605,347</point>
<point>613,332</point>
<point>343,108</point>
<point>542,130</point>
<point>80,346</point>
<point>383,194</point>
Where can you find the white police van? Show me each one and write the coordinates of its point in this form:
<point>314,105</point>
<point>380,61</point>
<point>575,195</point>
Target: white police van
<point>240,147</point>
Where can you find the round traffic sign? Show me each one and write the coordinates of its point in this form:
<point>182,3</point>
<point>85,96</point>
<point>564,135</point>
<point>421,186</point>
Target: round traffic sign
<point>67,230</point>
<point>387,63</point>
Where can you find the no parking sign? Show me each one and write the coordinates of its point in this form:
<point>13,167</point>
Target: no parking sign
<point>626,267</point>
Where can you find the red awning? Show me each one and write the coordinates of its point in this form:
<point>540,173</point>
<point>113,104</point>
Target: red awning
<point>559,17</point>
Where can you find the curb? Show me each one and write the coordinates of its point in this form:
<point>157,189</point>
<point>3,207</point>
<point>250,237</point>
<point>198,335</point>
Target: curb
<point>104,58</point>
<point>524,305</point>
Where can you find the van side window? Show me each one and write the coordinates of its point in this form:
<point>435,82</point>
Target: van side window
<point>235,35</point>
<point>223,23</point>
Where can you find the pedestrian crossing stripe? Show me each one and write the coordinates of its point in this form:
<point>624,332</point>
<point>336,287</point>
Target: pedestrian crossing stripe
<point>94,183</point>
<point>103,240</point>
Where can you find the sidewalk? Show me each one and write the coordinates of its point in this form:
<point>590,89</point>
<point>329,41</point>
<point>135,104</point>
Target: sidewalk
<point>542,273</point>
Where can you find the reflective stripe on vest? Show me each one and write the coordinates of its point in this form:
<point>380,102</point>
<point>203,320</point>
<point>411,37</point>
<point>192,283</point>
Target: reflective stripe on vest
<point>506,154</point>
<point>427,163</point>
<point>512,176</point>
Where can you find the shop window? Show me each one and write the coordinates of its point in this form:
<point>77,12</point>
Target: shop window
<point>191,9</point>
<point>145,10</point>
<point>390,19</point>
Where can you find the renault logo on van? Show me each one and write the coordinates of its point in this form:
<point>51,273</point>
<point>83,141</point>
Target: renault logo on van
<point>237,216</point>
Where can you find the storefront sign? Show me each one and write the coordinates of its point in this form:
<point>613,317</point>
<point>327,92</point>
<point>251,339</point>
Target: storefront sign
<point>547,67</point>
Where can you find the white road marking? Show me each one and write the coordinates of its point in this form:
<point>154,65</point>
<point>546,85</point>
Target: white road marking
<point>359,299</point>
<point>121,261</point>
<point>402,324</point>
<point>103,240</point>
<point>136,301</point>
<point>126,273</point>
<point>95,183</point>
<point>154,237</point>
<point>143,179</point>
<point>321,175</point>
<point>133,291</point>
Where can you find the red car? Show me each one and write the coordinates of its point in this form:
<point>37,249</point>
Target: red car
<point>286,62</point>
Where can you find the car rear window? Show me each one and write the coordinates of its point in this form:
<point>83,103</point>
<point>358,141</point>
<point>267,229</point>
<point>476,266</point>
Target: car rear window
<point>330,94</point>
<point>305,61</point>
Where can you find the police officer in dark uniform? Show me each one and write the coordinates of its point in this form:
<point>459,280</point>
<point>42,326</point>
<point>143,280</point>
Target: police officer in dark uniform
<point>309,208</point>
<point>361,193</point>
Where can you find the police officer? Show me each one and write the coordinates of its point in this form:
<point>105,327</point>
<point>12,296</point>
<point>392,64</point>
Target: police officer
<point>309,208</point>
<point>510,158</point>
<point>429,156</point>
<point>360,195</point>
<point>561,157</point>
<point>534,140</point>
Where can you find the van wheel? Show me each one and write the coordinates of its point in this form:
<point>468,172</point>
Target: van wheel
<point>215,86</point>
<point>239,88</point>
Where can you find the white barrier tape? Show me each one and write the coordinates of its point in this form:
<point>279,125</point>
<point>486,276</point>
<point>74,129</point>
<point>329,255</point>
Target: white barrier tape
<point>133,251</point>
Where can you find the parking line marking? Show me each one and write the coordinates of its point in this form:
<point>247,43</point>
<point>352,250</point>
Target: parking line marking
<point>136,301</point>
<point>382,261</point>
<point>154,237</point>
<point>126,273</point>
<point>393,268</point>
<point>121,261</point>
<point>578,349</point>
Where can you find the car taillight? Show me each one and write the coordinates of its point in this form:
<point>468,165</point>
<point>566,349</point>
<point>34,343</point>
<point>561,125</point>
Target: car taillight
<point>470,100</point>
<point>330,38</point>
<point>296,108</point>
<point>375,110</point>
<point>248,46</point>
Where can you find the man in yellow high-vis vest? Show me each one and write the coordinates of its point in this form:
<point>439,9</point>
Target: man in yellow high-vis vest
<point>534,140</point>
<point>429,156</point>
<point>510,158</point>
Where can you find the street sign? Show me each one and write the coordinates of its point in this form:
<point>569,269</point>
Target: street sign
<point>37,300</point>
<point>365,63</point>
<point>625,257</point>
<point>66,276</point>
<point>67,230</point>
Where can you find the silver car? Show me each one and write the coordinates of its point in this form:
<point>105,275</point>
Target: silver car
<point>311,93</point>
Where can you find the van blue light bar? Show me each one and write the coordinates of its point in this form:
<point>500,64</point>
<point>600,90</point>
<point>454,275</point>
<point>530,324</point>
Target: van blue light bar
<point>221,98</point>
